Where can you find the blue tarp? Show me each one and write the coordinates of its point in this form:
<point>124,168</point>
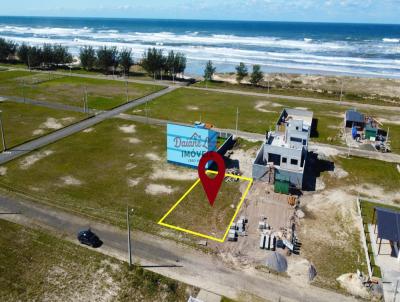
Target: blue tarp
<point>388,224</point>
<point>354,116</point>
<point>354,132</point>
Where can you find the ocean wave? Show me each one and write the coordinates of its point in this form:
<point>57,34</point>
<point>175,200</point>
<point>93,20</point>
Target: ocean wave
<point>307,54</point>
<point>390,40</point>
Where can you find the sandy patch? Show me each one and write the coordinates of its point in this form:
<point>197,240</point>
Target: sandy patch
<point>192,108</point>
<point>153,156</point>
<point>171,172</point>
<point>3,171</point>
<point>130,166</point>
<point>155,189</point>
<point>128,128</point>
<point>133,182</point>
<point>51,123</point>
<point>301,108</point>
<point>338,172</point>
<point>260,106</point>
<point>38,132</point>
<point>245,160</point>
<point>71,181</point>
<point>68,119</point>
<point>32,159</point>
<point>276,105</point>
<point>88,130</point>
<point>324,150</point>
<point>133,140</point>
<point>353,285</point>
<point>298,270</point>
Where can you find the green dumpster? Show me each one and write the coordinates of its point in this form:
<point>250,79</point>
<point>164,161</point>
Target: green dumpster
<point>370,132</point>
<point>282,184</point>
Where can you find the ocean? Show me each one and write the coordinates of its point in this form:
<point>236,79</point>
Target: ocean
<point>369,50</point>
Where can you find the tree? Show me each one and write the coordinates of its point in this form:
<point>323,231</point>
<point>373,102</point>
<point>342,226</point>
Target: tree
<point>23,54</point>
<point>107,58</point>
<point>257,75</point>
<point>179,63</point>
<point>153,61</point>
<point>241,72</point>
<point>35,56</point>
<point>46,55</point>
<point>61,55</point>
<point>209,71</point>
<point>87,56</point>
<point>175,63</point>
<point>125,60</point>
<point>7,49</point>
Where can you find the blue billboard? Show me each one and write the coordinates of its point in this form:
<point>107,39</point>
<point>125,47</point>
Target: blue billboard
<point>186,145</point>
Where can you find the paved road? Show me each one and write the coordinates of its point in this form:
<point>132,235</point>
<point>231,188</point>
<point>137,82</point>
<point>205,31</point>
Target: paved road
<point>64,132</point>
<point>313,146</point>
<point>167,257</point>
<point>300,98</point>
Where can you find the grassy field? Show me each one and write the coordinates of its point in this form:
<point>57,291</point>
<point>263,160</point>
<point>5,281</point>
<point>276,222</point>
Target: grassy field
<point>255,114</point>
<point>339,252</point>
<point>23,122</point>
<point>109,166</point>
<point>368,171</point>
<point>36,266</point>
<point>296,89</point>
<point>195,213</point>
<point>102,94</point>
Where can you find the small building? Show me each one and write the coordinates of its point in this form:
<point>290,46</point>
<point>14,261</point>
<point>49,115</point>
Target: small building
<point>387,223</point>
<point>354,118</point>
<point>285,149</point>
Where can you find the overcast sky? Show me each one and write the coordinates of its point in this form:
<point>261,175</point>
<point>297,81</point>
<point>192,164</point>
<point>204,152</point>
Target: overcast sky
<point>369,11</point>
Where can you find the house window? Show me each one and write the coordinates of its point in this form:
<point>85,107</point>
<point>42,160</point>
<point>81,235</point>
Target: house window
<point>284,160</point>
<point>294,162</point>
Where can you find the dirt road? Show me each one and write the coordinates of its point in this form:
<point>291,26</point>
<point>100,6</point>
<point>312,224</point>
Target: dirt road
<point>167,257</point>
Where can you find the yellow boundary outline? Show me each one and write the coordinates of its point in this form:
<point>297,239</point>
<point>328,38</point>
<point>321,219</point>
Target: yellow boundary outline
<point>250,180</point>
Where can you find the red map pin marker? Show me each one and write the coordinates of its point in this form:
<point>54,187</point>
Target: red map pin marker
<point>211,185</point>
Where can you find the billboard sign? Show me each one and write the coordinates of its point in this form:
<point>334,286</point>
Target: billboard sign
<point>186,145</point>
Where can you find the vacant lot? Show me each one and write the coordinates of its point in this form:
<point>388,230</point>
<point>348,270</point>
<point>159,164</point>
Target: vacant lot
<point>102,169</point>
<point>194,213</point>
<point>256,114</point>
<point>363,90</point>
<point>36,266</point>
<point>101,94</point>
<point>23,122</point>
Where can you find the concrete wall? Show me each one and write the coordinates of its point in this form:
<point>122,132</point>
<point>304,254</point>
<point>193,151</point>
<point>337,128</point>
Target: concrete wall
<point>259,165</point>
<point>295,178</point>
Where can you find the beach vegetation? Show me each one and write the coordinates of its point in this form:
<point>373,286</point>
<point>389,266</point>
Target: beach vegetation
<point>87,56</point>
<point>209,71</point>
<point>256,76</point>
<point>125,60</point>
<point>107,58</point>
<point>241,72</point>
<point>7,49</point>
<point>153,61</point>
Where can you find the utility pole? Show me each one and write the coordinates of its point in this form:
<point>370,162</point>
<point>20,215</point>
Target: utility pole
<point>341,92</point>
<point>127,93</point>
<point>237,120</point>
<point>268,85</point>
<point>129,237</point>
<point>147,115</point>
<point>85,101</point>
<point>23,90</point>
<point>2,133</point>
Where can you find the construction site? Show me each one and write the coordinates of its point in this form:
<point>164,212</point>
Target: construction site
<point>365,132</point>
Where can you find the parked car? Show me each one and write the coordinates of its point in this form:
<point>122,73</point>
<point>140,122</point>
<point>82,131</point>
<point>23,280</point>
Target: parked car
<point>89,238</point>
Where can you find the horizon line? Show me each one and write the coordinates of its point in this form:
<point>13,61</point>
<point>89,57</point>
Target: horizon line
<point>197,19</point>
